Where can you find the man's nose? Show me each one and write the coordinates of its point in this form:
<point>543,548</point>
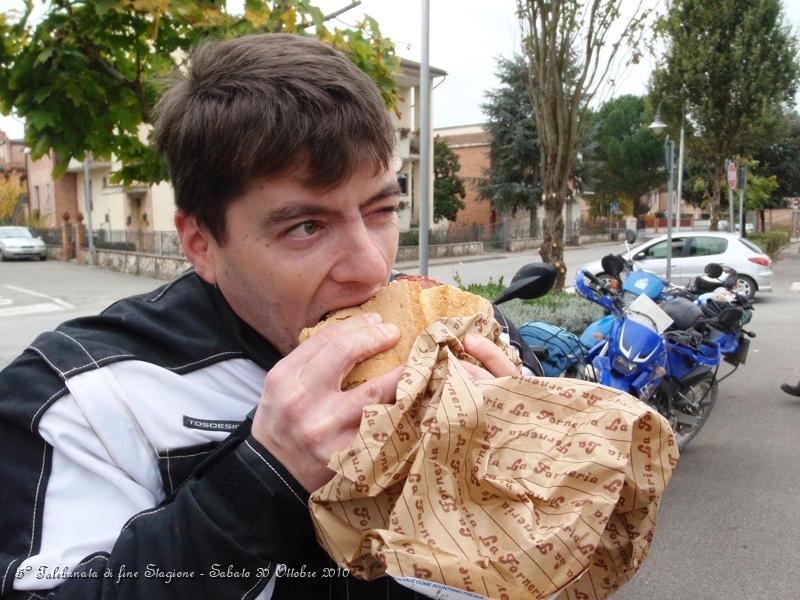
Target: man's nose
<point>362,257</point>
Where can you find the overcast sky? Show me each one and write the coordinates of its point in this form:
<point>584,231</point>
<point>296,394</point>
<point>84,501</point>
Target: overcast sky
<point>466,37</point>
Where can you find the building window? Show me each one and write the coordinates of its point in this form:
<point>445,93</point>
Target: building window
<point>36,198</point>
<point>108,184</point>
<point>402,181</point>
<point>48,200</point>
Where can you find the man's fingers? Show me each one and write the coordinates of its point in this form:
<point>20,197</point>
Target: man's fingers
<point>490,356</point>
<point>380,390</point>
<point>335,350</point>
<point>339,328</point>
<point>475,372</point>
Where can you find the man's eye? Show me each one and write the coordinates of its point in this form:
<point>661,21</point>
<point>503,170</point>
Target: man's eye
<point>387,211</point>
<point>305,229</point>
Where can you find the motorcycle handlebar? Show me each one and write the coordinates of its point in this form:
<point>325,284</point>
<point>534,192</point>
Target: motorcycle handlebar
<point>594,278</point>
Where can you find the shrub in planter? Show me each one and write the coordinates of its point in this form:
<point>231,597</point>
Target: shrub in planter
<point>570,311</point>
<point>771,242</point>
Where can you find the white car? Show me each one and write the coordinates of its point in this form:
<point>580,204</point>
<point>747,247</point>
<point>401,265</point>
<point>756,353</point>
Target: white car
<point>21,242</point>
<point>748,227</point>
<point>693,250</point>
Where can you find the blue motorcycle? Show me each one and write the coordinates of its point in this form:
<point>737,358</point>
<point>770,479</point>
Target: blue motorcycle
<point>715,296</point>
<point>659,354</point>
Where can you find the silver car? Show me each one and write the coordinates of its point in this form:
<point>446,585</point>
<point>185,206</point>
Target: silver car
<point>693,250</point>
<point>21,242</point>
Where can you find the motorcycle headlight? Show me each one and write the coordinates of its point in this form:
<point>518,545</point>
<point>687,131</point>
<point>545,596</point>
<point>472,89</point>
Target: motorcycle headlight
<point>623,365</point>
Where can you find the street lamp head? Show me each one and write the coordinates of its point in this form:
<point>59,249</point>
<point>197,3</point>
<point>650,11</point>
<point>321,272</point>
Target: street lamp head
<point>657,126</point>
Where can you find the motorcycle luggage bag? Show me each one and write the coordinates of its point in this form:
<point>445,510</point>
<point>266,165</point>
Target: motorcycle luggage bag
<point>563,347</point>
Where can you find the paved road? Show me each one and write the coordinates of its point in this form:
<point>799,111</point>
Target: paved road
<point>729,524</point>
<point>730,520</point>
<point>37,296</point>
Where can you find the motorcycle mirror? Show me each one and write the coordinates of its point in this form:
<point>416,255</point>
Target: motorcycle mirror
<point>613,264</point>
<point>713,270</point>
<point>531,281</point>
<point>630,236</point>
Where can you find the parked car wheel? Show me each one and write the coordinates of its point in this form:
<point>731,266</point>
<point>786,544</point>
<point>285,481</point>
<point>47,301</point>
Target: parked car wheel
<point>745,286</point>
<point>43,258</point>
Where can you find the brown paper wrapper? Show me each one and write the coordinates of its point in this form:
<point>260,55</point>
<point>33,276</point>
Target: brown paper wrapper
<point>511,488</point>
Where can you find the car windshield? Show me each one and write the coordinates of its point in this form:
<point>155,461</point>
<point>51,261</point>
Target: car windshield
<point>16,232</point>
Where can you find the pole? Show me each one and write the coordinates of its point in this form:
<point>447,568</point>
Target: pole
<point>670,169</point>
<point>680,169</point>
<point>742,180</point>
<point>425,140</point>
<point>87,187</point>
<point>730,201</point>
<point>796,213</point>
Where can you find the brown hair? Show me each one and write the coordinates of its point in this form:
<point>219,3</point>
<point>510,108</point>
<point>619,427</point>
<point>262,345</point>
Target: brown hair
<point>260,106</point>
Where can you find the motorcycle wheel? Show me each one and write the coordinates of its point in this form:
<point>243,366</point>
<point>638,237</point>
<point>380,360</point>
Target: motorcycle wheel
<point>690,409</point>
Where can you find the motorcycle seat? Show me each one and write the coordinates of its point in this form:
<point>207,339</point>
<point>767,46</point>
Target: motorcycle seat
<point>684,313</point>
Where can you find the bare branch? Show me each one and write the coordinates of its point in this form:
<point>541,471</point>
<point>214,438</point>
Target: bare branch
<point>342,10</point>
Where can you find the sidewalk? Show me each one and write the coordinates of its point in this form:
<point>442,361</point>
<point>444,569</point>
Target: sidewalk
<point>455,260</point>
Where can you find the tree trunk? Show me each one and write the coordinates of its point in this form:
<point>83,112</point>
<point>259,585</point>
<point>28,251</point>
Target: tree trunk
<point>714,198</point>
<point>552,248</point>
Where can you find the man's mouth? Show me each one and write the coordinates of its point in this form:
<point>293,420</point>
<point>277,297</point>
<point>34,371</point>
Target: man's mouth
<point>352,303</point>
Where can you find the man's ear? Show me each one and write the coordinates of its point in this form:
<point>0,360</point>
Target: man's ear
<point>199,245</point>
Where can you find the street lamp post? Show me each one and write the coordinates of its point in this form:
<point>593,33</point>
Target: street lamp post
<point>657,126</point>
<point>670,161</point>
<point>679,195</point>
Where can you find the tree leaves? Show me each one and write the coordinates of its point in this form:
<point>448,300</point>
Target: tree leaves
<point>628,157</point>
<point>86,77</point>
<point>448,187</point>
<point>734,62</point>
<point>512,182</point>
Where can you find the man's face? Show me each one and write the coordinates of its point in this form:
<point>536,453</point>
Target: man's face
<point>294,254</point>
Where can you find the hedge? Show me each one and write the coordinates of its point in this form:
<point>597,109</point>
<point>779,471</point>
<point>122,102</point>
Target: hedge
<point>771,242</point>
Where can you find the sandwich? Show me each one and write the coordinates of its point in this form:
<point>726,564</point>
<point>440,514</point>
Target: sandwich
<point>412,303</point>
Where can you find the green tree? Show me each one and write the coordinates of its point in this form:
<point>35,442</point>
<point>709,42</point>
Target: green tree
<point>627,158</point>
<point>734,64</point>
<point>85,78</point>
<point>512,181</point>
<point>448,187</point>
<point>561,43</point>
<point>779,157</point>
<point>759,189</point>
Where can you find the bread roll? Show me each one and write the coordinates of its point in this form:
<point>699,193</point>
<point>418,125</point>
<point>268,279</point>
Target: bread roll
<point>412,307</point>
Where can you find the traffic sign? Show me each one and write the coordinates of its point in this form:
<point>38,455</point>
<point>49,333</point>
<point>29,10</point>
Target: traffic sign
<point>732,175</point>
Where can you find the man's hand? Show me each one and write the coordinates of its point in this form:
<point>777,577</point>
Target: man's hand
<point>304,417</point>
<point>494,360</point>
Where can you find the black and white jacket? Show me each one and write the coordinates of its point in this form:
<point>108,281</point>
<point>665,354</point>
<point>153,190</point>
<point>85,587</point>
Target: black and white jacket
<point>127,469</point>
